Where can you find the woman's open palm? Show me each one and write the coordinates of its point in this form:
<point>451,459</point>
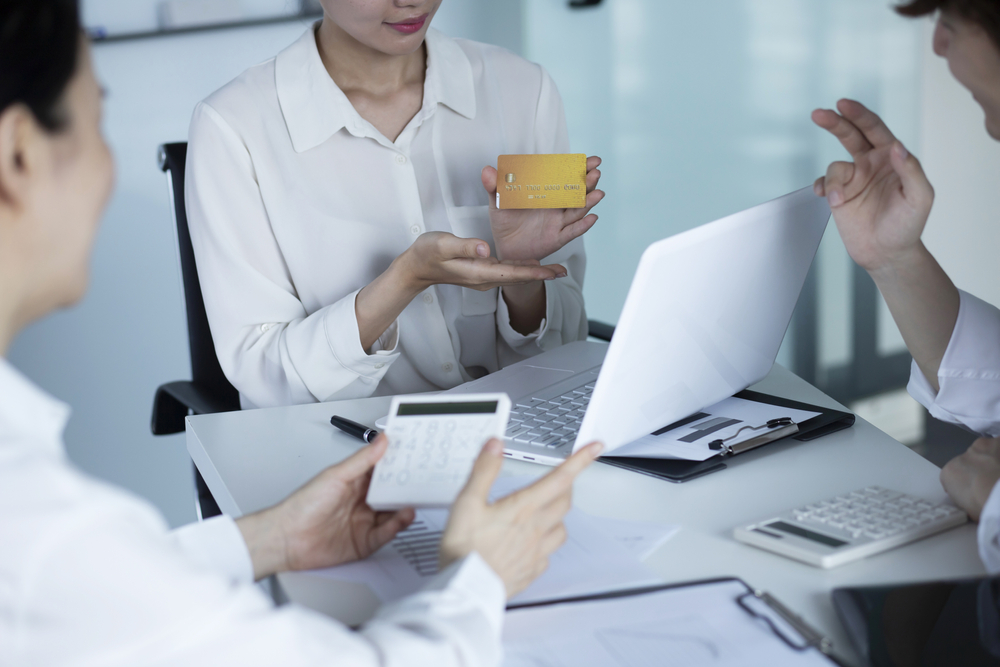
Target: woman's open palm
<point>534,234</point>
<point>880,201</point>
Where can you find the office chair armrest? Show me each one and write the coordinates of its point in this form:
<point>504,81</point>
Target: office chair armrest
<point>175,400</point>
<point>601,330</point>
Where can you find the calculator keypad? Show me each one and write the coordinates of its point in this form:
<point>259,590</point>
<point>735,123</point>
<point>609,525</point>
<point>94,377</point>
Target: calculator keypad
<point>433,451</point>
<point>874,513</point>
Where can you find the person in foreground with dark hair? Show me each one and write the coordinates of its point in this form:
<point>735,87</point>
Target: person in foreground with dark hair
<point>89,575</point>
<point>880,203</point>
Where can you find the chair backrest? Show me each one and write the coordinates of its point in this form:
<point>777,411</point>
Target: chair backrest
<point>205,368</point>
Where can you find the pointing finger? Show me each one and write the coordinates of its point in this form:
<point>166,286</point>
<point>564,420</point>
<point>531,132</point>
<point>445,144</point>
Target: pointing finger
<point>868,122</point>
<point>559,480</point>
<point>849,135</point>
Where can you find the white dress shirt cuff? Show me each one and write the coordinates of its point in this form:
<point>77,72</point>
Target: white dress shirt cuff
<point>517,340</point>
<point>344,337</point>
<point>387,342</point>
<point>969,375</point>
<point>989,532</point>
<point>474,578</point>
<point>461,610</point>
<point>216,544</point>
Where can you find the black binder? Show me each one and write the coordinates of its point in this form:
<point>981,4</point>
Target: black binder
<point>677,470</point>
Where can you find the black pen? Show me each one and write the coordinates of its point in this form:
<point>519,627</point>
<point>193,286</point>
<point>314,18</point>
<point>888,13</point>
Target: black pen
<point>354,429</point>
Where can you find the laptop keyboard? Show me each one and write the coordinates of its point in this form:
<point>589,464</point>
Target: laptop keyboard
<point>549,422</point>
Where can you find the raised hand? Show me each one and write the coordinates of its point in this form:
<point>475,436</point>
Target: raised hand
<point>534,234</point>
<point>517,534</point>
<point>880,201</point>
<point>325,523</point>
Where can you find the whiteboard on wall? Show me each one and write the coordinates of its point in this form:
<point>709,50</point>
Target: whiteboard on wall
<point>110,18</point>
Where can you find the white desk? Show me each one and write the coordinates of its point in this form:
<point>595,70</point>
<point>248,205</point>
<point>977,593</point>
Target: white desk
<point>251,460</point>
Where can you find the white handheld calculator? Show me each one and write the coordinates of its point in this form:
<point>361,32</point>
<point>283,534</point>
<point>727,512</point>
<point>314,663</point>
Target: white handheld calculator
<point>433,442</point>
<point>838,530</point>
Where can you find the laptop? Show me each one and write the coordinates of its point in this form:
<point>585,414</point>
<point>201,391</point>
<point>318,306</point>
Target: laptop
<point>703,320</point>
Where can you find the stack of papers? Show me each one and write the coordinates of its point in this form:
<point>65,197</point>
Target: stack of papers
<point>600,555</point>
<point>689,438</point>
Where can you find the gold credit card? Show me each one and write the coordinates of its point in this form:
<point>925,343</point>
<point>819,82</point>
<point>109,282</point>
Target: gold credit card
<point>542,181</point>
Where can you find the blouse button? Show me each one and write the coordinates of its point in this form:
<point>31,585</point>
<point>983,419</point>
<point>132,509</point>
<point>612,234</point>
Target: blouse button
<point>379,366</point>
<point>415,229</point>
<point>447,368</point>
<point>400,159</point>
<point>264,328</point>
<point>428,298</point>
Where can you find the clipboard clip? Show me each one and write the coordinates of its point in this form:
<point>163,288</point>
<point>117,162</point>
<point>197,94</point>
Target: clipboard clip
<point>777,428</point>
<point>783,622</point>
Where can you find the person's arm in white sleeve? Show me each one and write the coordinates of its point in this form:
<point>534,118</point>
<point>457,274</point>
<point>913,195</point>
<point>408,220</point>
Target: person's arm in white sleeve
<point>565,314</point>
<point>218,545</point>
<point>969,374</point>
<point>271,349</point>
<point>113,592</point>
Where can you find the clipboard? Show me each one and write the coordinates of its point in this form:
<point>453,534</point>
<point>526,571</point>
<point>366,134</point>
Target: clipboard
<point>678,470</point>
<point>793,638</point>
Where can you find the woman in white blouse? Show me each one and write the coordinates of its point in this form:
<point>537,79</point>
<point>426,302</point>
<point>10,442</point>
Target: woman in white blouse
<point>89,574</point>
<point>346,231</point>
<point>880,203</point>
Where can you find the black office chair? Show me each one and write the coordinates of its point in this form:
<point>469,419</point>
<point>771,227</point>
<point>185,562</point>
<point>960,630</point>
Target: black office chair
<point>208,391</point>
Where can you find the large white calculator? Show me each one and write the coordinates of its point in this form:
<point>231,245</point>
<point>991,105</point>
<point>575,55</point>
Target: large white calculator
<point>433,443</point>
<point>838,530</point>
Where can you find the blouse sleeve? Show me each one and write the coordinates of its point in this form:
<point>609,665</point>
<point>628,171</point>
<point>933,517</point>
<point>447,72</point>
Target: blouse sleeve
<point>969,375</point>
<point>271,349</point>
<point>565,315</point>
<point>969,378</point>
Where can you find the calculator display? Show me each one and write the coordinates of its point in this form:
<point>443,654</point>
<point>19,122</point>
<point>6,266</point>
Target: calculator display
<point>474,408</point>
<point>808,534</point>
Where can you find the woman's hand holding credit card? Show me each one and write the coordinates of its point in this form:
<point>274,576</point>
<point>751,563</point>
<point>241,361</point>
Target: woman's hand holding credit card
<point>539,203</point>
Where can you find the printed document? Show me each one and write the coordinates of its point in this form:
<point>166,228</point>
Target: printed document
<point>689,438</point>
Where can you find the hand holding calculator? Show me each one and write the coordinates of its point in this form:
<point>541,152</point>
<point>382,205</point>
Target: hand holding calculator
<point>433,443</point>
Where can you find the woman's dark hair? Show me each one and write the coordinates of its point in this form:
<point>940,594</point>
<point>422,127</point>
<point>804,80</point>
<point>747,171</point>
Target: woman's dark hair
<point>39,46</point>
<point>984,13</point>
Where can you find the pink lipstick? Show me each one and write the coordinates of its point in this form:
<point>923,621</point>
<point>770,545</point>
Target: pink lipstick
<point>409,26</point>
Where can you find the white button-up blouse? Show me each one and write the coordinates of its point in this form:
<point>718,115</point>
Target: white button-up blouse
<point>969,378</point>
<point>89,575</point>
<point>295,203</point>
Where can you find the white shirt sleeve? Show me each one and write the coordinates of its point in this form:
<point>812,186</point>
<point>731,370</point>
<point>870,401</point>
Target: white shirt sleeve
<point>106,584</point>
<point>969,378</point>
<point>216,544</point>
<point>565,315</point>
<point>271,349</point>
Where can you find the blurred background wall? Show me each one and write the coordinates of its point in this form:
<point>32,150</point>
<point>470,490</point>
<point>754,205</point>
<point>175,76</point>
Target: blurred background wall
<point>698,109</point>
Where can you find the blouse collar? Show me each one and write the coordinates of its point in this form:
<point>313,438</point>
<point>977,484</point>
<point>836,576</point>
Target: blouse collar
<point>27,412</point>
<point>314,107</point>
